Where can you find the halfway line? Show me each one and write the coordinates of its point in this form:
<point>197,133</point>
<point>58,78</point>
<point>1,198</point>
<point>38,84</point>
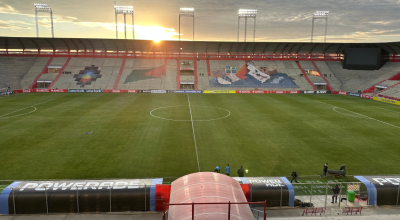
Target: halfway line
<point>194,136</point>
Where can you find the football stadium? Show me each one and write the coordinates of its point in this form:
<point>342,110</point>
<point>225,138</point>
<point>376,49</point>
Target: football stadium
<point>190,129</point>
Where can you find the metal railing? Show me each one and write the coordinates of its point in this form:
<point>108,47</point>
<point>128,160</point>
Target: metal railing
<point>165,216</point>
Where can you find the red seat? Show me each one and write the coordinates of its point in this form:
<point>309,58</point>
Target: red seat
<point>308,210</point>
<point>319,210</point>
<point>356,210</point>
<point>347,210</point>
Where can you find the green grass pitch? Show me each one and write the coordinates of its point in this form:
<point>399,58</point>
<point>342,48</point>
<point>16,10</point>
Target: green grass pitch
<point>270,135</point>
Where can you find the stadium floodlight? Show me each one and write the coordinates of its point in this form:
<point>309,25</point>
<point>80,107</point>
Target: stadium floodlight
<point>43,8</point>
<point>247,13</point>
<point>185,12</point>
<point>124,10</point>
<point>320,15</point>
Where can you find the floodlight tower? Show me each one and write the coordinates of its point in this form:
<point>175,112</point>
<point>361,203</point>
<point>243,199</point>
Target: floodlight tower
<point>247,13</point>
<point>43,8</point>
<point>320,15</point>
<point>185,12</point>
<point>124,10</point>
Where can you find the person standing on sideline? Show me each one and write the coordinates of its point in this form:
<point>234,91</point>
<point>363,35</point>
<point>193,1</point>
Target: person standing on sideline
<point>217,169</point>
<point>324,170</point>
<point>227,170</point>
<point>241,171</point>
<point>335,191</point>
<point>294,176</point>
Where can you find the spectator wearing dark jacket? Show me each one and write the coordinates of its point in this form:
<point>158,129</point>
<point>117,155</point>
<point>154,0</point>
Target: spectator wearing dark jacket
<point>335,191</point>
<point>240,171</point>
<point>294,176</point>
<point>324,170</point>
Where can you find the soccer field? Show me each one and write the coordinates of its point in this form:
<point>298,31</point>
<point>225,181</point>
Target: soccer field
<point>43,135</point>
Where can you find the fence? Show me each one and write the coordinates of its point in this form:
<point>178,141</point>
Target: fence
<point>165,216</point>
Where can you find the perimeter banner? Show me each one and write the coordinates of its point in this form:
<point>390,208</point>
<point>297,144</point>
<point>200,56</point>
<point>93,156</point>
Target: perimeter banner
<point>119,91</point>
<point>367,96</point>
<point>85,90</point>
<point>354,94</point>
<point>390,101</point>
<point>342,93</point>
<point>219,91</point>
<point>186,91</point>
<point>72,196</point>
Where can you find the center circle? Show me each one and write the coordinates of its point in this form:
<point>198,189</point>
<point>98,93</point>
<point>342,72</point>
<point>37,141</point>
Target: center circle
<point>209,113</point>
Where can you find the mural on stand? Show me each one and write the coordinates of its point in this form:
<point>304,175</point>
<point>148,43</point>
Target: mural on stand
<point>250,76</point>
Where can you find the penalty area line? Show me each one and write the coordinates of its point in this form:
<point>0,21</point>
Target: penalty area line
<point>194,136</point>
<point>366,117</point>
<point>32,106</point>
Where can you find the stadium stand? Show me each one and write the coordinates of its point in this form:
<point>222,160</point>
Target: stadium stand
<point>33,73</point>
<point>355,80</point>
<point>108,67</point>
<point>13,69</point>
<point>143,74</point>
<point>202,74</point>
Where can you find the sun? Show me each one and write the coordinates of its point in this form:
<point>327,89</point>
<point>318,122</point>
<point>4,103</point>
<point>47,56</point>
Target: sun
<point>154,33</point>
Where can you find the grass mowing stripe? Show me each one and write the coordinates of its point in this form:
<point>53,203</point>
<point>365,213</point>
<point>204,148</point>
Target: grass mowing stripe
<point>367,117</point>
<point>194,136</point>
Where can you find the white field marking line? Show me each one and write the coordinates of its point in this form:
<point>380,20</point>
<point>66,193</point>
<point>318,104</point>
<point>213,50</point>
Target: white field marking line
<point>1,116</point>
<point>151,113</point>
<point>386,109</point>
<point>366,117</point>
<point>20,114</point>
<point>334,109</point>
<point>194,136</point>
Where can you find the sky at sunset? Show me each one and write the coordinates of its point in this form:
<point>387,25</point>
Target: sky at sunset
<point>215,20</point>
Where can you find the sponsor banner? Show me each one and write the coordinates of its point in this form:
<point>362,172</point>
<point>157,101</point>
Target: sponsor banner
<point>219,91</point>
<point>158,91</point>
<point>186,91</point>
<point>76,90</point>
<point>119,91</point>
<point>354,94</point>
<point>42,90</point>
<point>382,190</point>
<point>267,92</point>
<point>309,92</point>
<point>59,90</point>
<point>144,91</point>
<point>94,90</point>
<point>390,101</point>
<point>367,96</point>
<point>85,90</point>
<point>343,93</point>
<point>18,91</point>
<point>28,90</point>
<point>90,193</point>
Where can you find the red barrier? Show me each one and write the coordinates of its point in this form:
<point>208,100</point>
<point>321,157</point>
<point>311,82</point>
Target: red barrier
<point>246,190</point>
<point>18,91</point>
<point>342,93</point>
<point>163,193</point>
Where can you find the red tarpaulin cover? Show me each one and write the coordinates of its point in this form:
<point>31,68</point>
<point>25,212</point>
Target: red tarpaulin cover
<point>207,187</point>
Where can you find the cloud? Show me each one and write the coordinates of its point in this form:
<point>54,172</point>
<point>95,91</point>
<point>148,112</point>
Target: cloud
<point>14,25</point>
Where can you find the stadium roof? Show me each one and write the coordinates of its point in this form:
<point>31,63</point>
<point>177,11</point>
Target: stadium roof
<point>32,43</point>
